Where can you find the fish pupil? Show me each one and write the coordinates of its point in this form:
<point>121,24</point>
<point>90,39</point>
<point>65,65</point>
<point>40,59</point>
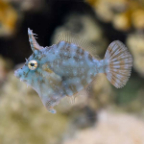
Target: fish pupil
<point>32,64</point>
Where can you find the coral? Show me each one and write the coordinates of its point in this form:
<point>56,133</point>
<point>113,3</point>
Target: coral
<point>138,18</point>
<point>112,128</point>
<point>8,19</point>
<point>11,14</point>
<point>135,42</point>
<point>123,14</point>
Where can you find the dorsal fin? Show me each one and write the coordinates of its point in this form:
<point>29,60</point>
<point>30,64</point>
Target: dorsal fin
<point>34,44</point>
<point>76,39</point>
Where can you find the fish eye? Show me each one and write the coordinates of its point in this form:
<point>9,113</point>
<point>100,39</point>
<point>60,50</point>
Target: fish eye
<point>32,64</point>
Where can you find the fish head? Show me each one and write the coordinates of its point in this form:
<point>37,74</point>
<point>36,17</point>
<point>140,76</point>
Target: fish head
<point>32,70</point>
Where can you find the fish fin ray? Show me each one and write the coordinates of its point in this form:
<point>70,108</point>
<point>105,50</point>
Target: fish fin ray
<point>76,39</point>
<point>120,64</point>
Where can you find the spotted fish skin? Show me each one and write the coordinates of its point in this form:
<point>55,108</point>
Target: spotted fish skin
<point>64,69</point>
<point>76,67</point>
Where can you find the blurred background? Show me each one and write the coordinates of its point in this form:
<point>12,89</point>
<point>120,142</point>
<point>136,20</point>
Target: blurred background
<point>101,114</point>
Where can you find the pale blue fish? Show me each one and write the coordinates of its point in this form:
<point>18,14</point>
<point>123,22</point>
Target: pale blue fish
<point>65,68</point>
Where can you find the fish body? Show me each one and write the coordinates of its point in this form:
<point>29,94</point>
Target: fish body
<point>65,68</point>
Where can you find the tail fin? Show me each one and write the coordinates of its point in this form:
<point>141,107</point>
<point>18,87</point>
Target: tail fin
<point>120,64</point>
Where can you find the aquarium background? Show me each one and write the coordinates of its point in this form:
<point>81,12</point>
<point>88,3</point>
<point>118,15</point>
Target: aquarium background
<point>100,114</point>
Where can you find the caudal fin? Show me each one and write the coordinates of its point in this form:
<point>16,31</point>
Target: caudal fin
<point>120,64</point>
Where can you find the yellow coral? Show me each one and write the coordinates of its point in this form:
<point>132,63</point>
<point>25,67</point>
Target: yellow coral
<point>122,13</point>
<point>138,18</point>
<point>8,19</point>
<point>121,21</point>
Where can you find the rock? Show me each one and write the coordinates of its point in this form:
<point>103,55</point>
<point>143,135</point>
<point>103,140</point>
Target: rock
<point>111,128</point>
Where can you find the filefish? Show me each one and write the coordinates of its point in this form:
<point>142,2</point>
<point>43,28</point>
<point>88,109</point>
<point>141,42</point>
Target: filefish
<point>66,68</point>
